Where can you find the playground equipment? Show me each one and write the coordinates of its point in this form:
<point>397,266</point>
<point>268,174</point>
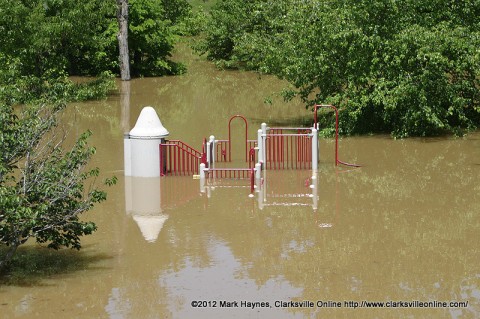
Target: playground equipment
<point>148,153</point>
<point>179,158</point>
<point>275,148</point>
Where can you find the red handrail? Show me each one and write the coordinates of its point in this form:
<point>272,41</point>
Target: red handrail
<point>230,139</point>
<point>185,159</point>
<point>337,161</point>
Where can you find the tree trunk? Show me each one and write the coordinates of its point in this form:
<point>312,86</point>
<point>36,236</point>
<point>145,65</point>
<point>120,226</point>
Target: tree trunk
<point>125,106</point>
<point>8,257</point>
<point>122,17</point>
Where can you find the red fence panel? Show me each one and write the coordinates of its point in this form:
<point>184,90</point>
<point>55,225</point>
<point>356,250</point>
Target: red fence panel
<point>287,150</point>
<point>179,158</point>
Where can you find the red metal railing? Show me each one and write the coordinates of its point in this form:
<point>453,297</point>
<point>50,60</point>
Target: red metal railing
<point>230,137</point>
<point>221,151</point>
<point>231,173</point>
<point>288,150</point>
<point>251,157</point>
<point>316,107</point>
<point>223,148</point>
<point>179,158</point>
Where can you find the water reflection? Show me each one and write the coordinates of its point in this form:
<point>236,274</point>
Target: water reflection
<point>143,203</point>
<point>403,227</point>
<point>227,280</point>
<point>400,230</point>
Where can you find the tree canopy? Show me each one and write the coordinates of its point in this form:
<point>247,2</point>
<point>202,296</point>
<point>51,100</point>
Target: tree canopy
<point>44,184</point>
<point>80,38</point>
<point>43,187</point>
<point>411,68</point>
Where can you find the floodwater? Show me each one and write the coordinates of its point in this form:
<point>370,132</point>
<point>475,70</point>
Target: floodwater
<point>402,229</point>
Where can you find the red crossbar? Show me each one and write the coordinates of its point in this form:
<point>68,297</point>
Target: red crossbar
<point>233,173</point>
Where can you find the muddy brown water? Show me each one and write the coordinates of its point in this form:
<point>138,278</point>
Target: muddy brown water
<point>403,228</point>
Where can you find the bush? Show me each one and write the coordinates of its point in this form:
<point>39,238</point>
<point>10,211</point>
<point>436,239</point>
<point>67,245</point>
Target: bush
<point>405,67</point>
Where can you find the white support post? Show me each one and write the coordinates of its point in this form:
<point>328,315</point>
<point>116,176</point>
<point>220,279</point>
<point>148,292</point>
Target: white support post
<point>208,155</point>
<point>260,146</point>
<point>264,137</point>
<point>212,151</point>
<point>314,150</point>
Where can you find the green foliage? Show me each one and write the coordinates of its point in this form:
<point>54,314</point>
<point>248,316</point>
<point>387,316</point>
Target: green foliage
<point>16,88</point>
<point>150,39</point>
<point>193,24</point>
<point>176,10</point>
<point>61,35</point>
<point>405,67</point>
<point>42,187</point>
<point>80,38</point>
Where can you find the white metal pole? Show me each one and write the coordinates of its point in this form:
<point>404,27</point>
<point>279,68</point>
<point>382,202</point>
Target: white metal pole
<point>212,150</point>
<point>208,155</point>
<point>260,146</point>
<point>264,137</point>
<point>314,150</point>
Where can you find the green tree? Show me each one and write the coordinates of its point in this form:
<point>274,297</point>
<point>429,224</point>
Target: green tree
<point>58,35</point>
<point>43,188</point>
<point>80,38</point>
<point>405,67</point>
<point>150,38</point>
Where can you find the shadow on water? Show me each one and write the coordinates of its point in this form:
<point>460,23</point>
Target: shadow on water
<point>33,265</point>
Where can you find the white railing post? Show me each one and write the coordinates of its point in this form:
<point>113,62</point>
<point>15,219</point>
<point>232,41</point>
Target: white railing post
<point>260,146</point>
<point>208,155</point>
<point>314,149</point>
<point>264,148</point>
<point>211,149</point>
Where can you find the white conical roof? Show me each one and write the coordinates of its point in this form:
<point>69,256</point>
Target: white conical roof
<point>150,225</point>
<point>148,125</point>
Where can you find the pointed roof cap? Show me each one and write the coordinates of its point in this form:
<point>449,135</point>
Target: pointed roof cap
<point>148,125</point>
